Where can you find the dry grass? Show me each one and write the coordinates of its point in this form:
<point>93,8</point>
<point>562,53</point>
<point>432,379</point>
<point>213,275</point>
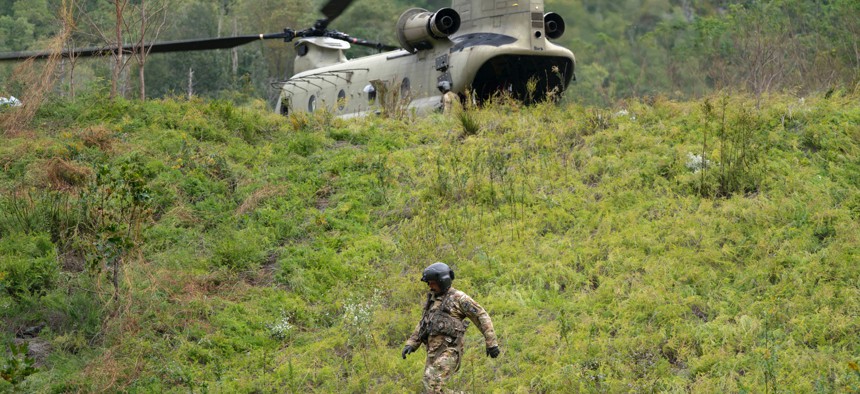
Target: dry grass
<point>65,175</point>
<point>98,136</point>
<point>259,196</point>
<point>38,81</point>
<point>184,215</point>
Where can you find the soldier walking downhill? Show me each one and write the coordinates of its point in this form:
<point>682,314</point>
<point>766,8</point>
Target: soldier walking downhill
<point>442,328</point>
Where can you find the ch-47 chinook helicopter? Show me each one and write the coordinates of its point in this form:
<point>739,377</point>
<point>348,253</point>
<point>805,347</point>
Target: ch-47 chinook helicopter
<point>476,48</point>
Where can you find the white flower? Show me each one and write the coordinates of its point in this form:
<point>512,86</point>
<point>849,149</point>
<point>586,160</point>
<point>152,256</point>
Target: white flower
<point>696,163</point>
<point>281,328</point>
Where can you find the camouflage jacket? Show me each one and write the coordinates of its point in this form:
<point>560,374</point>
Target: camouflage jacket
<point>459,306</point>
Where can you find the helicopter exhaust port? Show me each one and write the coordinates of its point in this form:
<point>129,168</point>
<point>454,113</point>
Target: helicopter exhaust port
<point>554,25</point>
<point>417,28</point>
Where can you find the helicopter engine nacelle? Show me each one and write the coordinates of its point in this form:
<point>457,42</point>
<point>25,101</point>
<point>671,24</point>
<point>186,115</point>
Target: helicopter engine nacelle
<point>553,24</point>
<point>418,28</point>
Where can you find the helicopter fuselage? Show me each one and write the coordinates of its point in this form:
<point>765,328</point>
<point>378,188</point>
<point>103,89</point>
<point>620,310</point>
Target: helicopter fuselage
<point>500,47</point>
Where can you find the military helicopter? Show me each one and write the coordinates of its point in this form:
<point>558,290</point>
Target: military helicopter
<point>475,48</point>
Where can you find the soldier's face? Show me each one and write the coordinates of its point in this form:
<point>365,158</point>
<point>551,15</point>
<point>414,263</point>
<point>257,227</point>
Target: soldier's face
<point>434,286</point>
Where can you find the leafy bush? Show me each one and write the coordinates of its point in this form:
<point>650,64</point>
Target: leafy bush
<point>28,264</point>
<point>17,365</point>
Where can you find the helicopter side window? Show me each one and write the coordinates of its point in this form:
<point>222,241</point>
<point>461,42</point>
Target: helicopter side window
<point>371,93</point>
<point>405,88</point>
<point>302,49</point>
<point>341,100</point>
<point>312,104</point>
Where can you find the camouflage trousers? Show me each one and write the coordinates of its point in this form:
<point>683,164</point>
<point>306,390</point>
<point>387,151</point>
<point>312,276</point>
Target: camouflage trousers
<point>441,363</point>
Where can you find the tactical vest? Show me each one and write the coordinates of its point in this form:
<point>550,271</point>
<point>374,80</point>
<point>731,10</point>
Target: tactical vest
<point>441,322</point>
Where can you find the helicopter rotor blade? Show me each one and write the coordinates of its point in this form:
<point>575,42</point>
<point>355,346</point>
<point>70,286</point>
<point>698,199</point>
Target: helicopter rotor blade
<point>334,8</point>
<point>160,47</point>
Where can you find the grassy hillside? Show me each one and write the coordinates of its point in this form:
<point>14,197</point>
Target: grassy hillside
<point>706,246</point>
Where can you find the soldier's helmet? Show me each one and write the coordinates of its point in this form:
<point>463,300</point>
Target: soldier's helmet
<point>441,273</point>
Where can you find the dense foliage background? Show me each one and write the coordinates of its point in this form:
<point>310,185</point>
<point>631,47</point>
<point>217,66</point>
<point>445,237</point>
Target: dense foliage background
<point>688,220</point>
<point>631,48</point>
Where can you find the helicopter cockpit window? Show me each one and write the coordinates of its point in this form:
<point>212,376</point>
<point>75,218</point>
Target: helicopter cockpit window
<point>302,49</point>
<point>312,104</point>
<point>341,100</point>
<point>371,93</point>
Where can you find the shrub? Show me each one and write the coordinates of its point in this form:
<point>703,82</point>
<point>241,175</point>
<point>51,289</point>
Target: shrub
<point>17,366</point>
<point>28,264</point>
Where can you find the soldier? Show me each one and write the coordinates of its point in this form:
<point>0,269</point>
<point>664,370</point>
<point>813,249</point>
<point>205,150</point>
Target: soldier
<point>442,328</point>
<point>450,100</point>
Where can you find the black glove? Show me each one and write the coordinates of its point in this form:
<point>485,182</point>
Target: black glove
<point>493,351</point>
<point>406,350</point>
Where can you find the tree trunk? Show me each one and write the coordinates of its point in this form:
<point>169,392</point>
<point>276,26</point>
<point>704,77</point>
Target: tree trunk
<point>142,49</point>
<point>142,82</point>
<point>115,277</point>
<point>190,83</point>
<point>235,49</point>
<point>72,78</point>
<point>117,69</point>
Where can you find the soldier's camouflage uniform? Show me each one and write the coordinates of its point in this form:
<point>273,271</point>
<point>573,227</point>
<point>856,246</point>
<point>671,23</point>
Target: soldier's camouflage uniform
<point>445,343</point>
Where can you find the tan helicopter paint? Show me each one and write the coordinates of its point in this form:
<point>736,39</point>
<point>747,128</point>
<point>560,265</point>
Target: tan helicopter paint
<point>509,31</point>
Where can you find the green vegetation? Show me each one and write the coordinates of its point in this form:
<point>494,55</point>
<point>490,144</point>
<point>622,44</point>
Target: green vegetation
<point>682,49</point>
<point>170,245</point>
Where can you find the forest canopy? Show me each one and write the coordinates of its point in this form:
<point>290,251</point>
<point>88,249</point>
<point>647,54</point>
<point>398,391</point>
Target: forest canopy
<point>629,48</point>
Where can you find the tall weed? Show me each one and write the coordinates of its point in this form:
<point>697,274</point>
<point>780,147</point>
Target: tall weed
<point>469,123</point>
<point>739,142</point>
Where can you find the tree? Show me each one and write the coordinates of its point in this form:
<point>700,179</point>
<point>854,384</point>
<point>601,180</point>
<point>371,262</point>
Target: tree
<point>150,17</point>
<point>39,14</point>
<point>15,33</point>
<point>168,73</point>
